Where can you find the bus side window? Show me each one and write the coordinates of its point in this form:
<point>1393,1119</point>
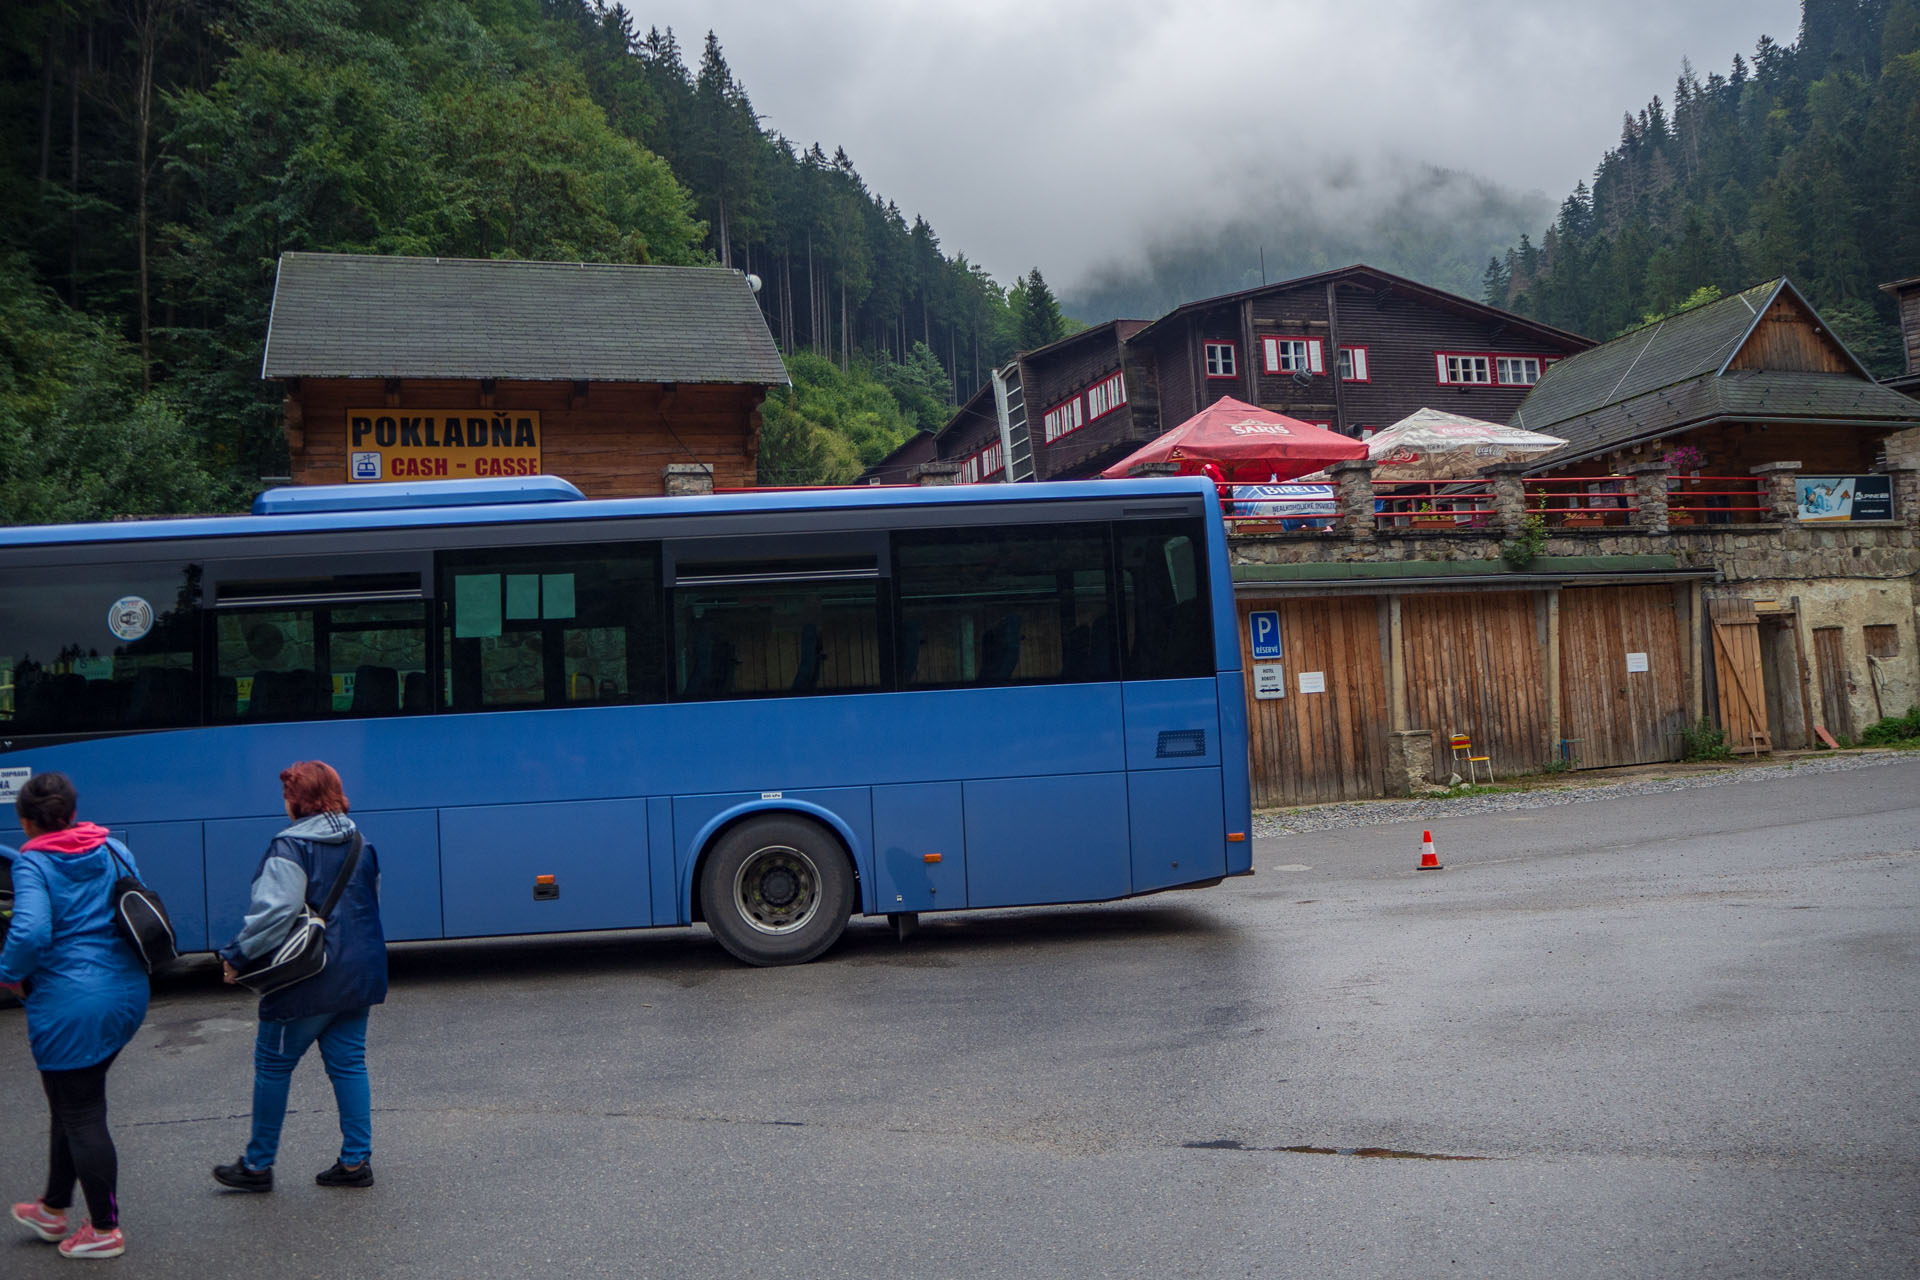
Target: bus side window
<point>999,606</point>
<point>550,626</point>
<point>98,647</point>
<point>1166,624</point>
<point>333,657</point>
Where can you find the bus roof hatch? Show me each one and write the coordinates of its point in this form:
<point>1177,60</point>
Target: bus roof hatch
<point>305,499</point>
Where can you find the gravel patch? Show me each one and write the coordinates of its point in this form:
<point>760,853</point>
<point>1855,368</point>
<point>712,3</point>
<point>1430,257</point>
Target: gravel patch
<point>1367,813</point>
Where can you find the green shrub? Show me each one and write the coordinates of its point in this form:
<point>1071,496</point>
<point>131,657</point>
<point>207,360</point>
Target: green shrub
<point>1893,729</point>
<point>1704,742</point>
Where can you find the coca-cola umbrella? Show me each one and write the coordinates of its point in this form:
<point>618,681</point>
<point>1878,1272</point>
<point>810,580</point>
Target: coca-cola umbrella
<point>1246,442</point>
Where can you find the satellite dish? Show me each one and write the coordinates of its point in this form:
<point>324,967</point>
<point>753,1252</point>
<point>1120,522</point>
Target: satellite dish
<point>753,282</point>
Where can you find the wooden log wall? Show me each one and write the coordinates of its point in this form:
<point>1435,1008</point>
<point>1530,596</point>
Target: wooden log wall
<point>1788,338</point>
<point>614,441</point>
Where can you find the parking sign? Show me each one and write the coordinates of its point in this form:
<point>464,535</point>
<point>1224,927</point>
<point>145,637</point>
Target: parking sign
<point>1264,628</point>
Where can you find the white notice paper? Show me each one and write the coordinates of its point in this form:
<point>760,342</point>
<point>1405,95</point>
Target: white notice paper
<point>1313,682</point>
<point>1636,662</point>
<point>1269,680</point>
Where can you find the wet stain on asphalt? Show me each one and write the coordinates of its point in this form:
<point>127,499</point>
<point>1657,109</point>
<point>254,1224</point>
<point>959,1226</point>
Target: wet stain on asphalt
<point>1365,1153</point>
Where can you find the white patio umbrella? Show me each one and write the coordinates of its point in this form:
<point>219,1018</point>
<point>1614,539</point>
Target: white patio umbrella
<point>1432,444</point>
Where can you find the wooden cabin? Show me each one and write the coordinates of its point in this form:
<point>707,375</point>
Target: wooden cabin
<point>1906,294</point>
<point>437,368</point>
<point>1748,380</point>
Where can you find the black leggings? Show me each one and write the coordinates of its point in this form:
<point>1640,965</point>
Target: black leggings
<point>79,1145</point>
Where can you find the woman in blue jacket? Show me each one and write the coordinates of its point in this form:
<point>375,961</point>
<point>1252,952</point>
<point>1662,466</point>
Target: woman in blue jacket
<point>329,1009</point>
<point>86,995</point>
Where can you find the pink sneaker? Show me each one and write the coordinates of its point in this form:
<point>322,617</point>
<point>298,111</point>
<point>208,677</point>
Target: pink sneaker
<point>89,1243</point>
<point>46,1223</point>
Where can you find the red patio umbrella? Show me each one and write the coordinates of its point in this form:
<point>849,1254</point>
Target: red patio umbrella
<point>1246,442</point>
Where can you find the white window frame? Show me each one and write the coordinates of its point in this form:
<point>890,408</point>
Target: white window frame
<point>1063,419</point>
<point>1287,354</point>
<point>1501,365</point>
<point>1223,358</point>
<point>1106,395</point>
<point>1450,365</point>
<point>1353,365</point>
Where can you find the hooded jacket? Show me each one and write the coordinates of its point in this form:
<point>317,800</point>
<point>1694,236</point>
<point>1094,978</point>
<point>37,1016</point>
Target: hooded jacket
<point>300,866</point>
<point>86,992</point>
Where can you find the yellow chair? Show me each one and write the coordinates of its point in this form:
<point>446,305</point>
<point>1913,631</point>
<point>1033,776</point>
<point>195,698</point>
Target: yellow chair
<point>1463,749</point>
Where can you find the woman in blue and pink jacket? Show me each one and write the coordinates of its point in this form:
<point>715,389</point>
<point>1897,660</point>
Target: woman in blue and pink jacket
<point>86,996</point>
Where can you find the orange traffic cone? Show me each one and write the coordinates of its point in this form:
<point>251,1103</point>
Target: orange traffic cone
<point>1429,860</point>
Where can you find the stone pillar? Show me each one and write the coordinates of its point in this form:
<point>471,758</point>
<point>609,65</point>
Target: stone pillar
<point>1353,498</point>
<point>1410,762</point>
<point>687,478</point>
<point>1650,490</point>
<point>1783,502</point>
<point>935,473</point>
<point>1906,493</point>
<point>1509,497</point>
<point>1148,470</point>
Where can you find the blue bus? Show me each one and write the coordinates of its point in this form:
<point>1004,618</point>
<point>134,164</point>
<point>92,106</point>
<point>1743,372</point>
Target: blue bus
<point>764,711</point>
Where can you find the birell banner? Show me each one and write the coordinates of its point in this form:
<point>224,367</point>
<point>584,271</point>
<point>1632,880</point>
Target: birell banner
<point>441,444</point>
<point>1845,497</point>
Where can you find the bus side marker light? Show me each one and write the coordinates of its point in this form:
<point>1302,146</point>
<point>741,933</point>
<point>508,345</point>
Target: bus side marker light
<point>1236,837</point>
<point>929,857</point>
<point>545,887</point>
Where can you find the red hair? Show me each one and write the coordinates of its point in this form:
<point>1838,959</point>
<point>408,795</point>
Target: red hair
<point>311,787</point>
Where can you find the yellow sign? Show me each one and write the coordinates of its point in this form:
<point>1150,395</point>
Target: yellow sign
<point>441,444</point>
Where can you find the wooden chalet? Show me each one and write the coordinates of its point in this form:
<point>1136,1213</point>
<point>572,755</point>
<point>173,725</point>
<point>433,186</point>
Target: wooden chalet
<point>1748,380</point>
<point>434,368</point>
<point>1906,293</point>
<point>1351,350</point>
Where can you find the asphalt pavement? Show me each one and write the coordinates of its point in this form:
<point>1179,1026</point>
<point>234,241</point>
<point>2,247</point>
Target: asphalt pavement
<point>1644,1035</point>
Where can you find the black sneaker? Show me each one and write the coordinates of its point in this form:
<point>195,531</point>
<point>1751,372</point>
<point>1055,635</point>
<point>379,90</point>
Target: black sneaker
<point>359,1175</point>
<point>238,1176</point>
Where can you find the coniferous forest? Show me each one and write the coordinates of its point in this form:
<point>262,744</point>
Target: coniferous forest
<point>159,155</point>
<point>1803,161</point>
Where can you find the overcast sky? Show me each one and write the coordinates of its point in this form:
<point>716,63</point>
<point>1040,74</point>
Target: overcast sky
<point>1066,133</point>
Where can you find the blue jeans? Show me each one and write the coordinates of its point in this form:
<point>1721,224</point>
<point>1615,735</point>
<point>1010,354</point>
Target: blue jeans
<point>343,1048</point>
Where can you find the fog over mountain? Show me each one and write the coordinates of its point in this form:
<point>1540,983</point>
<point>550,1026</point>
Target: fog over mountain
<point>1438,226</point>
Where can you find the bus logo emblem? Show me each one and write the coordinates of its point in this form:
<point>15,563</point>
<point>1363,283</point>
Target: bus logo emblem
<point>130,618</point>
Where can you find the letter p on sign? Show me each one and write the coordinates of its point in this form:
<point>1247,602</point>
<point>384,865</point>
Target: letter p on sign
<point>1264,630</point>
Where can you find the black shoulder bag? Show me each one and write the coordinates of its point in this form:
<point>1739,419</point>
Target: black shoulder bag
<point>140,917</point>
<point>303,952</point>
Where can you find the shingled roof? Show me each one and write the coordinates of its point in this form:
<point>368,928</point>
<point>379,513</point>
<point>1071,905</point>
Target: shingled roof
<point>1675,374</point>
<point>365,316</point>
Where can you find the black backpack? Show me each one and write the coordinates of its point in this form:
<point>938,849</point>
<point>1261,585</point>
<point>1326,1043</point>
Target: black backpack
<point>6,894</point>
<point>140,917</point>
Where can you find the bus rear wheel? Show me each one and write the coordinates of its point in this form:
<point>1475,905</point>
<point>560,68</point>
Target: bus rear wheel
<point>776,890</point>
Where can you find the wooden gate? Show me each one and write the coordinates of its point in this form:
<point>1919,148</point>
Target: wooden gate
<point>1737,674</point>
<point>1472,665</point>
<point>1836,704</point>
<point>1311,747</point>
<point>1623,675</point>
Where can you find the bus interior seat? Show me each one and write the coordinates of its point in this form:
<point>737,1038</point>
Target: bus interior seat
<point>53,701</point>
<point>910,639</point>
<point>376,690</point>
<point>282,695</point>
<point>1100,655</point>
<point>710,674</point>
<point>161,695</point>
<point>413,691</point>
<point>1000,650</point>
<point>226,697</point>
<point>1076,655</point>
<point>808,674</point>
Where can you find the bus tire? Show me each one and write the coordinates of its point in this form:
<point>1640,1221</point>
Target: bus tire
<point>776,890</point>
